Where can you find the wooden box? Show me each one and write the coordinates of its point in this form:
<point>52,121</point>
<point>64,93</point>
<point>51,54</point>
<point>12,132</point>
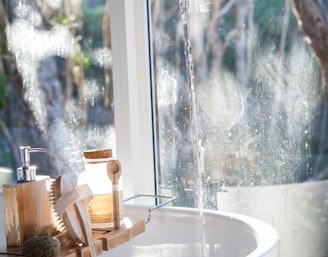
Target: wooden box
<point>27,210</point>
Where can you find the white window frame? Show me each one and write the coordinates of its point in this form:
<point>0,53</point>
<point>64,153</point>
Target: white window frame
<point>132,95</point>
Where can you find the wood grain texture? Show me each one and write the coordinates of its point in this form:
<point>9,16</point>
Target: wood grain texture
<point>26,210</point>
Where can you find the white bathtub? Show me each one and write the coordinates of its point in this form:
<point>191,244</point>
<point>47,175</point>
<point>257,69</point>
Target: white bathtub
<point>176,232</point>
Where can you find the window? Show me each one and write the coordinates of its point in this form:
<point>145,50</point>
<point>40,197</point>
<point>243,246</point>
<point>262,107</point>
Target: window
<point>57,86</point>
<point>237,97</point>
<point>65,42</point>
<point>253,126</point>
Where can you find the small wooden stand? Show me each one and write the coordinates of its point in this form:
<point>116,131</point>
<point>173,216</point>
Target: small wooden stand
<point>103,241</point>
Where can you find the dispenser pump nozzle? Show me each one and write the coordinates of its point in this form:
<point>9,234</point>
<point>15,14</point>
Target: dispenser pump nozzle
<point>27,172</point>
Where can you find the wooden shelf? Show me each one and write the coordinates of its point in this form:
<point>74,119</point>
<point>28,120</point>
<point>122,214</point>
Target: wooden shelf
<point>103,240</point>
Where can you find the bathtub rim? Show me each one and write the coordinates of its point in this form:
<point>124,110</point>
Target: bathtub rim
<point>267,238</point>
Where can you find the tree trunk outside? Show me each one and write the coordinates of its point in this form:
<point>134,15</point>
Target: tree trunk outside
<point>312,18</point>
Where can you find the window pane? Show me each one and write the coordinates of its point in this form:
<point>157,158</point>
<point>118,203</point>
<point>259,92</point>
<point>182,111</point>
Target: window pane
<point>56,82</point>
<point>243,109</point>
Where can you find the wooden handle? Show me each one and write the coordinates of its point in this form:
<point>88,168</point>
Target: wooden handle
<point>116,207</point>
<point>82,207</point>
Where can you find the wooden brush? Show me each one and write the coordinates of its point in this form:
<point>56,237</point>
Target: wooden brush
<point>72,205</point>
<point>57,221</point>
<point>59,228</point>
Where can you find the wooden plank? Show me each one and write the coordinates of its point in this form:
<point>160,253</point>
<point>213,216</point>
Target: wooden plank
<point>115,238</point>
<point>138,228</point>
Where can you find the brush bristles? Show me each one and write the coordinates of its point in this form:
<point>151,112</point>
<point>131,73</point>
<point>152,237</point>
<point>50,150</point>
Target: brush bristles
<point>56,219</point>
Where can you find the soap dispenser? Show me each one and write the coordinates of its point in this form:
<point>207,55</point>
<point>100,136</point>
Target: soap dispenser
<point>27,172</point>
<point>26,202</point>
